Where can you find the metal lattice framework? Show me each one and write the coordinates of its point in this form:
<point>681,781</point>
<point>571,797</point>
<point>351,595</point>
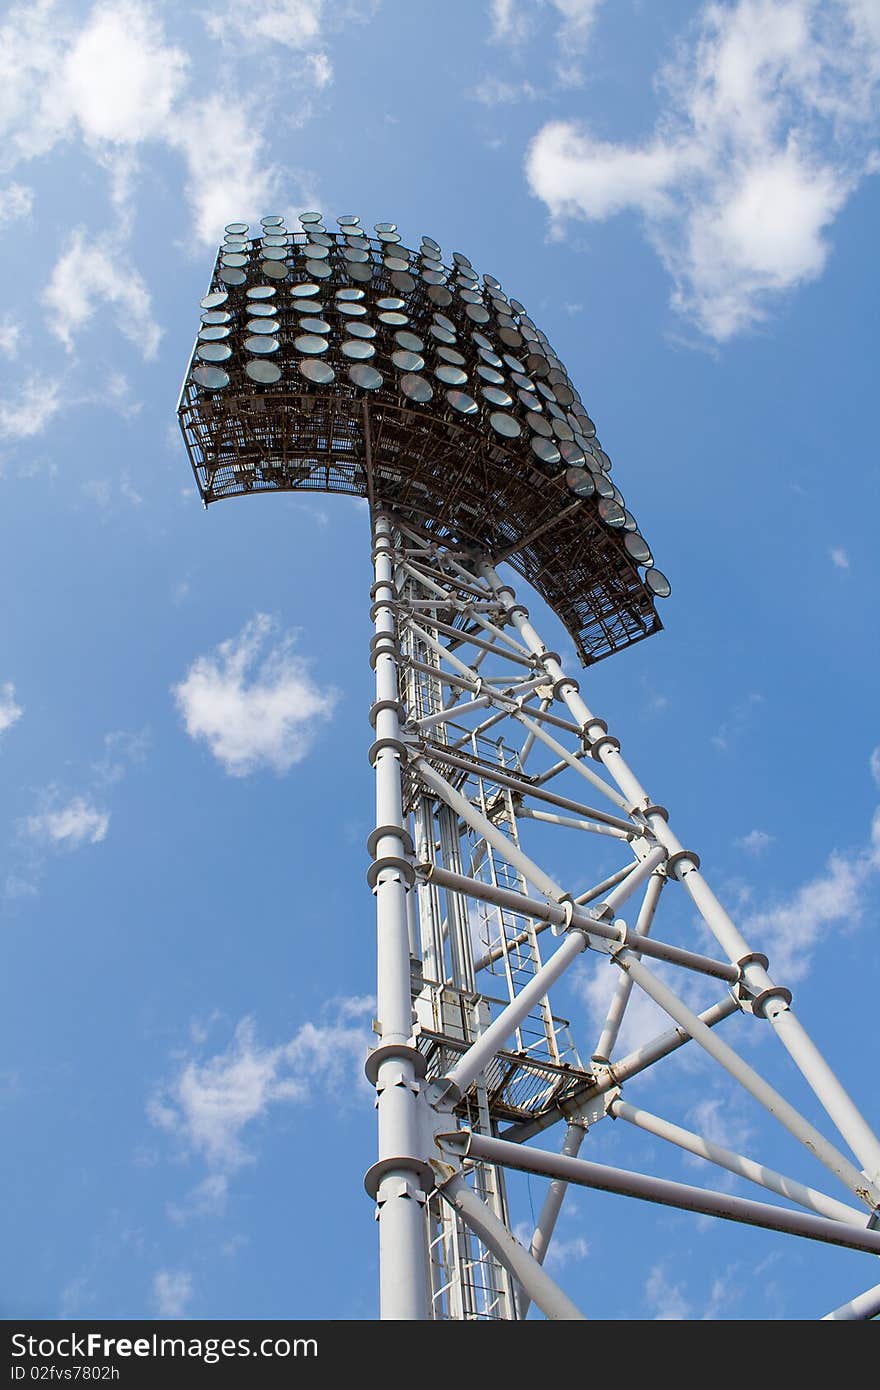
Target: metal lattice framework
<point>484,746</point>
<point>342,363</point>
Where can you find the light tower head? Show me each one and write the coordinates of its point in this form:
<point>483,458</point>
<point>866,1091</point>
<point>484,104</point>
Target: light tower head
<point>342,362</point>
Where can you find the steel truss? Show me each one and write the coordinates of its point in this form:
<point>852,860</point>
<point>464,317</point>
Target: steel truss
<point>480,736</point>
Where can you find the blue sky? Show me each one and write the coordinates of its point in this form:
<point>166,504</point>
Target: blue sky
<point>684,196</point>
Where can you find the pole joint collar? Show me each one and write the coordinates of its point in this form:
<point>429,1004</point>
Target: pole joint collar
<point>381,830</point>
<point>391,861</point>
<point>684,857</point>
<point>378,705</point>
<point>405,1051</point>
<point>417,1168</point>
<point>381,743</point>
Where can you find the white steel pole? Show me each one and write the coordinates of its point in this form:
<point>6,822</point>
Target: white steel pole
<point>820,1077</point>
<point>865,1305</point>
<point>747,1077</point>
<point>736,1163</point>
<point>614,1075</point>
<point>668,1194</point>
<point>623,988</point>
<point>398,1178</point>
<point>480,1053</point>
<point>491,1230</point>
<point>546,1224</point>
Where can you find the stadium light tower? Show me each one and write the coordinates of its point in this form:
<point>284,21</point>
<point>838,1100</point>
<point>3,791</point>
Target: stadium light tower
<point>338,361</point>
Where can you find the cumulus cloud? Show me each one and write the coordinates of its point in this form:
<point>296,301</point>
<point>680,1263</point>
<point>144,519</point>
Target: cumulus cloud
<point>120,78</point>
<point>32,117</point>
<point>669,1301</point>
<point>594,979</point>
<point>515,22</point>
<point>115,82</point>
<point>10,710</point>
<point>253,701</point>
<point>15,201</point>
<point>495,91</point>
<point>665,1297</point>
<point>563,1250</point>
<point>211,1102</point>
<point>792,927</point>
<point>78,823</point>
<point>65,822</point>
<point>874,764</point>
<point>10,332</point>
<point>757,842</point>
<point>228,176</point>
<point>29,411</point>
<point>122,750</point>
<point>172,1291</point>
<point>720,1120</point>
<point>765,134</point>
<point>566,1250</point>
<point>93,271</point>
<point>294,23</point>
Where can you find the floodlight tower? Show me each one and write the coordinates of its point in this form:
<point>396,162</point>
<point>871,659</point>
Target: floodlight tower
<point>339,361</point>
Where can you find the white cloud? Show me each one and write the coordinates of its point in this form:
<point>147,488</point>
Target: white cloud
<point>32,117</point>
<point>515,22</point>
<point>564,1251</point>
<point>719,1119</point>
<point>255,25</point>
<point>293,23</point>
<point>839,557</point>
<point>120,79</point>
<point>320,69</point>
<point>128,490</point>
<point>222,143</point>
<point>116,83</point>
<point>122,750</point>
<point>95,271</point>
<point>764,137</point>
<point>116,391</point>
<point>737,721</point>
<point>29,412</point>
<point>172,1290</point>
<point>254,707</point>
<point>790,929</point>
<point>18,887</point>
<point>594,979</point>
<point>577,175</point>
<point>78,823</point>
<point>669,1302</point>
<point>874,765</point>
<point>211,1103</point>
<point>15,201</point>
<point>10,710</point>
<point>578,17</point>
<point>757,842</point>
<point>665,1298</point>
<point>207,1198</point>
<point>113,80</point>
<point>10,332</point>
<point>105,492</point>
<point>509,23</point>
<point>495,91</point>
